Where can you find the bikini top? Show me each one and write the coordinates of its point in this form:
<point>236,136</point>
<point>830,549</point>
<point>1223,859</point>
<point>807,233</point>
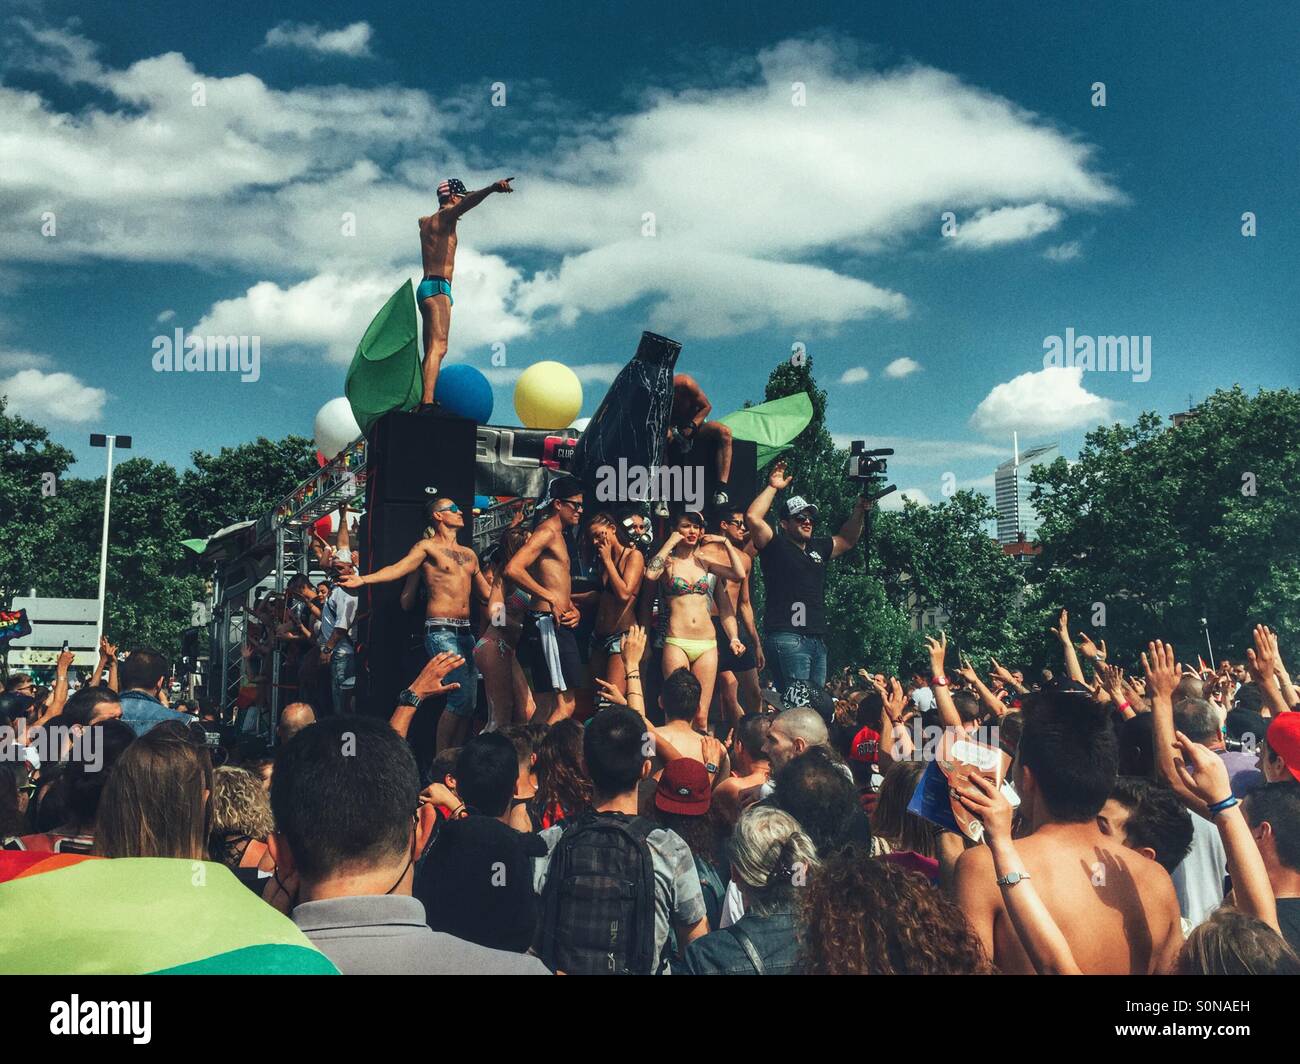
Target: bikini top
<point>680,586</point>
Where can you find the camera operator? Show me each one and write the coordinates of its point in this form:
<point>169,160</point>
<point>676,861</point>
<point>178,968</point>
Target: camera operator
<point>794,573</point>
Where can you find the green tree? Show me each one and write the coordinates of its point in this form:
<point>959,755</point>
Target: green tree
<point>242,483</point>
<point>30,466</point>
<point>1154,527</point>
<point>942,557</point>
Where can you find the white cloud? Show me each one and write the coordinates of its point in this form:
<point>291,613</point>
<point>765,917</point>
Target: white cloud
<point>854,375</point>
<point>11,359</point>
<point>1071,249</point>
<point>35,394</point>
<point>332,310</point>
<point>273,180</point>
<point>901,367</point>
<point>352,41</point>
<point>1040,402</point>
<point>165,316</point>
<point>1006,225</point>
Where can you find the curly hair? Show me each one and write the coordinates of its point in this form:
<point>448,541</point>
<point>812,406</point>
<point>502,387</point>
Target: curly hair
<point>561,771</point>
<point>858,916</point>
<point>239,804</point>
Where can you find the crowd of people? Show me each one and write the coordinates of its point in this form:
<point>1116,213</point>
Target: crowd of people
<point>629,772</point>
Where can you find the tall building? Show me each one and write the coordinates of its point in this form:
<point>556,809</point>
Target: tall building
<point>1016,516</point>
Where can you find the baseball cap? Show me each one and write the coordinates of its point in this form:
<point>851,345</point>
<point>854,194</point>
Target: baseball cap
<point>453,186</point>
<point>865,747</point>
<point>797,504</point>
<point>1239,723</point>
<point>1284,740</point>
<point>684,788</point>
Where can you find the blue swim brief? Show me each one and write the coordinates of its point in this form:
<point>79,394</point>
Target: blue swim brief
<point>434,286</point>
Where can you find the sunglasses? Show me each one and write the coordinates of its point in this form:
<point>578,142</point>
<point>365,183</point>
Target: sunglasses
<point>453,509</point>
<point>577,506</point>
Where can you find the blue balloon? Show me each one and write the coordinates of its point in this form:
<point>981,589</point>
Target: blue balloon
<point>465,392</point>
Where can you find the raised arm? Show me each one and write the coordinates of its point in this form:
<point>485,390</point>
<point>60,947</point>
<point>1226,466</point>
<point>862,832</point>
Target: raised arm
<point>659,562</point>
<point>1206,776</point>
<point>396,571</point>
<point>990,700</point>
<point>847,537</point>
<point>1004,674</point>
<point>948,714</point>
<point>427,685</point>
<point>1062,631</point>
<point>1262,663</point>
<point>473,199</point>
<point>624,585</point>
<point>1162,680</point>
<point>760,532</point>
<point>734,569</point>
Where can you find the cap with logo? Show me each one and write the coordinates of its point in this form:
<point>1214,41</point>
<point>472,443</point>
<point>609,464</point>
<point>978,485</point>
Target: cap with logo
<point>797,505</point>
<point>684,788</point>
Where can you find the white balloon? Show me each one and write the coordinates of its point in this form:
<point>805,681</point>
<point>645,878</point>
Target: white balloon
<point>335,427</point>
<point>581,424</point>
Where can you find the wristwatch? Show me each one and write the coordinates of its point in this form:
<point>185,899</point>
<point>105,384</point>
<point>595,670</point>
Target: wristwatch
<point>1012,878</point>
<point>409,698</point>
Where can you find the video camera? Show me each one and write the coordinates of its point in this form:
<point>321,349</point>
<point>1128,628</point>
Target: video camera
<point>870,469</point>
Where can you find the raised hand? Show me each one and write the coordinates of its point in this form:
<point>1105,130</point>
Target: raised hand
<point>779,478</point>
<point>1202,771</point>
<point>985,800</point>
<point>503,185</point>
<point>633,647</point>
<point>967,671</point>
<point>938,651</point>
<point>610,692</point>
<point>1090,649</point>
<point>895,701</point>
<point>1161,669</point>
<point>1262,660</point>
<point>1001,672</point>
<point>1113,678</point>
<point>429,682</point>
<point>1062,628</point>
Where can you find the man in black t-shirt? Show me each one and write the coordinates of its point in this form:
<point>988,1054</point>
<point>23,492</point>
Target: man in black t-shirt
<point>794,574</point>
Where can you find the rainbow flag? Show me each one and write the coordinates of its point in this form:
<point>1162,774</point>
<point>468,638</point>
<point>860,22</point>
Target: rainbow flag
<point>71,914</point>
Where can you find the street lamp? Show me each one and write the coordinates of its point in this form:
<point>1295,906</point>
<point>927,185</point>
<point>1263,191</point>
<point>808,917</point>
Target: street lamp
<point>98,439</point>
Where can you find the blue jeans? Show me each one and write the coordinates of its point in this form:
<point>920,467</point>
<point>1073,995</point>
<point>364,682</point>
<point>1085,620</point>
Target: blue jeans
<point>792,656</point>
<point>343,672</point>
<point>460,640</point>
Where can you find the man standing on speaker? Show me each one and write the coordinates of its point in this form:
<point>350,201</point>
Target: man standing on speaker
<point>794,576</point>
<point>542,568</point>
<point>438,250</point>
<point>448,570</point>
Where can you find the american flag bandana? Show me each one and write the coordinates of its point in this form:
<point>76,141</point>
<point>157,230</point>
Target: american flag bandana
<point>451,187</point>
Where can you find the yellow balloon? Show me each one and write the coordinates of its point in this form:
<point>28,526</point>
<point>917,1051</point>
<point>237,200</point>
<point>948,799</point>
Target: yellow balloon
<point>548,395</point>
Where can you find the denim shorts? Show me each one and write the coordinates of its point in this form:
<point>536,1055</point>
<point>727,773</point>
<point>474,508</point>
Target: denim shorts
<point>343,671</point>
<point>456,639</point>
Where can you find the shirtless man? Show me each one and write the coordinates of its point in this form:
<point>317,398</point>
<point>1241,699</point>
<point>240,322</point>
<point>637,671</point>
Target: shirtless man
<point>687,427</point>
<point>740,659</point>
<point>1116,909</point>
<point>438,250</point>
<point>619,569</point>
<point>749,764</point>
<point>448,570</point>
<point>541,567</point>
<point>680,699</point>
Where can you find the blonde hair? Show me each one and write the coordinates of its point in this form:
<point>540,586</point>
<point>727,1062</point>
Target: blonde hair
<point>767,850</point>
<point>240,804</point>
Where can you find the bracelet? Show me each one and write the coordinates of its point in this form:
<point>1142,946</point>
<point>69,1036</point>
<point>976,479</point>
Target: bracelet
<point>1125,705</point>
<point>456,813</point>
<point>938,681</point>
<point>1223,806</point>
<point>632,676</point>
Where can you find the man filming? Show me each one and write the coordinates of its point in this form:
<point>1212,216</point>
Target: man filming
<point>794,574</point>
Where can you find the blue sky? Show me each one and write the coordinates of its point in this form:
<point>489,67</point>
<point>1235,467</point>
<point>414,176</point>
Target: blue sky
<point>781,215</point>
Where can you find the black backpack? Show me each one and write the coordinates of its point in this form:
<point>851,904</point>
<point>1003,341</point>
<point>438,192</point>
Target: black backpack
<point>598,904</point>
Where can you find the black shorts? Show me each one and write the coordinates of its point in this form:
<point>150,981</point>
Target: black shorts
<point>551,652</point>
<point>727,661</point>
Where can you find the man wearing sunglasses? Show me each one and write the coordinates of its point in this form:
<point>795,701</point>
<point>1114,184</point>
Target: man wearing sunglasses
<point>541,567</point>
<point>794,575</point>
<point>449,570</point>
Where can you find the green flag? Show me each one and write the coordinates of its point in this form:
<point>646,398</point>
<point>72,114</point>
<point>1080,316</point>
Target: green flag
<point>385,372</point>
<point>773,425</point>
